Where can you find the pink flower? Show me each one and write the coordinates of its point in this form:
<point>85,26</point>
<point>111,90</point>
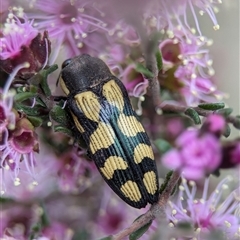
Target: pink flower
<point>235,154</point>
<point>4,9</point>
<point>72,172</point>
<point>111,220</point>
<point>205,213</point>
<point>161,13</point>
<point>131,79</point>
<point>16,34</point>
<point>117,53</point>
<point>16,222</point>
<point>25,187</point>
<point>113,215</point>
<point>21,43</point>
<point>57,231</point>
<point>170,51</point>
<point>230,154</point>
<point>195,156</point>
<point>23,138</point>
<point>174,127</point>
<point>114,57</point>
<point>18,139</point>
<point>191,67</point>
<point>69,22</point>
<point>126,33</point>
<point>184,49</point>
<point>20,147</point>
<point>215,123</point>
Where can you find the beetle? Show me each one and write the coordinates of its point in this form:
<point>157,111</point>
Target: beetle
<point>116,141</point>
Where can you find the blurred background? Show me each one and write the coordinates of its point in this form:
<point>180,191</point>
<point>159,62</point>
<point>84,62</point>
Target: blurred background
<point>225,52</point>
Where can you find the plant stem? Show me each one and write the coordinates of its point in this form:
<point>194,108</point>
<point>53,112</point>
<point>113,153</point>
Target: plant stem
<point>157,210</point>
<point>200,111</point>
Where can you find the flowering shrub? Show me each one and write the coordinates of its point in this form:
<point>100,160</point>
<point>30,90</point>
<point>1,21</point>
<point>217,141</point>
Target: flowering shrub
<point>50,187</point>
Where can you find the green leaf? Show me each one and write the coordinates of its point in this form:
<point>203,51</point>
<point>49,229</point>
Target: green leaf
<point>227,131</point>
<point>44,217</point>
<point>62,129</point>
<point>36,121</point>
<point>159,60</point>
<point>142,69</point>
<point>193,115</point>
<point>44,74</point>
<point>45,87</point>
<point>107,238</point>
<point>225,112</point>
<point>184,225</point>
<point>216,173</point>
<point>216,234</point>
<point>33,89</point>
<point>137,234</point>
<point>59,115</point>
<point>51,69</point>
<point>22,96</point>
<point>236,124</point>
<point>21,89</point>
<point>40,102</point>
<point>6,200</point>
<point>81,235</point>
<point>184,229</point>
<point>34,231</point>
<point>38,226</point>
<point>166,180</point>
<point>26,109</point>
<point>162,145</point>
<point>211,106</point>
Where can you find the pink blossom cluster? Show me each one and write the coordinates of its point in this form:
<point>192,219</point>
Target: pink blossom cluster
<point>90,27</point>
<point>195,156</point>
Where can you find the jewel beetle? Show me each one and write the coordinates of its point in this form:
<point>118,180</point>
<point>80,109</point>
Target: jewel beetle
<point>116,141</point>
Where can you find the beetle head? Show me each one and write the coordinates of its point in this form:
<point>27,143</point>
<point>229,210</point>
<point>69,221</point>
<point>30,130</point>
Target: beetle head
<point>83,72</point>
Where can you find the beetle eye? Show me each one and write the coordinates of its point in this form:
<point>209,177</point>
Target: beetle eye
<point>66,62</point>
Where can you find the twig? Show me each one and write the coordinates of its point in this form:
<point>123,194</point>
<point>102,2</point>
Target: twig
<point>149,47</point>
<point>144,219</point>
<point>157,209</point>
<point>149,50</point>
<point>200,111</point>
<point>151,64</point>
